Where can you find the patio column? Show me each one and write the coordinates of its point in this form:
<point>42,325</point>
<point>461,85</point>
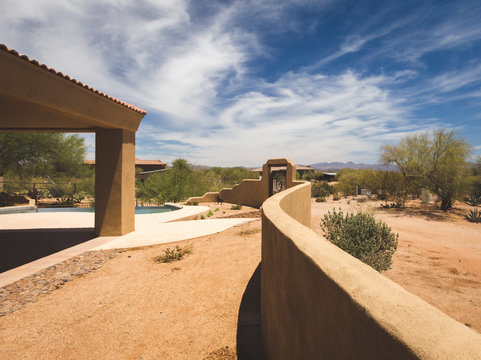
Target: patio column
<point>114,182</point>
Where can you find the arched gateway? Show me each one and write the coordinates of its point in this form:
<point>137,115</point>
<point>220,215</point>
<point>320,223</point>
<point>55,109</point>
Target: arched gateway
<point>34,97</point>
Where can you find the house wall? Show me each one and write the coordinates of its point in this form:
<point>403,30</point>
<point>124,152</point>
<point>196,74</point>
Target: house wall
<point>318,302</point>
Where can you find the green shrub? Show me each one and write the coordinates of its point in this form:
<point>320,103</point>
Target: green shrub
<point>236,207</point>
<point>173,255</point>
<point>336,198</point>
<point>321,189</point>
<point>216,209</point>
<point>192,203</point>
<point>362,236</point>
<point>474,216</point>
<point>399,204</point>
<point>210,213</point>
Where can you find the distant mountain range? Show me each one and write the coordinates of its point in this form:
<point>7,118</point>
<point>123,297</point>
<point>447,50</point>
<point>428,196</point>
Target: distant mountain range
<point>323,166</point>
<point>335,166</point>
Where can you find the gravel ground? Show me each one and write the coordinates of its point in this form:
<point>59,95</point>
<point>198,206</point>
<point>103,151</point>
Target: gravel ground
<point>15,296</point>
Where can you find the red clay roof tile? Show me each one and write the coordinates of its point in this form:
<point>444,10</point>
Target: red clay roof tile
<point>66,77</point>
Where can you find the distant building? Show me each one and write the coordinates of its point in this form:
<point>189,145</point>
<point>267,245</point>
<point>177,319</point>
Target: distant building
<point>299,168</point>
<point>329,176</point>
<point>143,165</point>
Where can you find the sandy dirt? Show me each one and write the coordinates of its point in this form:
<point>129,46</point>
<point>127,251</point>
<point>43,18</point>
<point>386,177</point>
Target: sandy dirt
<point>133,308</point>
<point>224,210</point>
<point>438,256</point>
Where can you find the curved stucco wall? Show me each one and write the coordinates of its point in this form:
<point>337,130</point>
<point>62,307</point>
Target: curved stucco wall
<point>318,302</point>
<point>249,192</point>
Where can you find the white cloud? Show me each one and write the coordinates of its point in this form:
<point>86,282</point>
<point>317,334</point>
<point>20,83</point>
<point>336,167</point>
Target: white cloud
<point>306,117</point>
<point>190,71</point>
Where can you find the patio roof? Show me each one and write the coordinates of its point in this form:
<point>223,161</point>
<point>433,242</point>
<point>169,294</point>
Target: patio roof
<point>59,102</point>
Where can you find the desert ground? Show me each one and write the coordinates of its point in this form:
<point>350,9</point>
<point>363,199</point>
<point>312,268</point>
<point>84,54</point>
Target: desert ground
<point>438,256</point>
<point>205,306</point>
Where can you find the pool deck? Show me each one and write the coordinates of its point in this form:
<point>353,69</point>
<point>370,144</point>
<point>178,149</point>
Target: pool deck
<point>151,229</point>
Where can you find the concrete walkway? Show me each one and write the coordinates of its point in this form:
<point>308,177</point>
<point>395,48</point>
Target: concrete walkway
<point>151,229</point>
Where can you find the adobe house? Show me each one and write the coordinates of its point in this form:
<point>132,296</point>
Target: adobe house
<point>34,97</point>
<point>301,169</point>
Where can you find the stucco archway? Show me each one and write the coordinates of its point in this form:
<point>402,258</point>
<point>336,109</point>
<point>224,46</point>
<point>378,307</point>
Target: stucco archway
<point>34,97</point>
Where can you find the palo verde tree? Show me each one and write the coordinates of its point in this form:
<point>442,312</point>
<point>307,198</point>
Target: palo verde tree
<point>436,161</point>
<point>28,155</point>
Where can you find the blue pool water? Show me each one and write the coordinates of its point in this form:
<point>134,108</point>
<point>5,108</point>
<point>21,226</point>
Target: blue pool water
<point>138,209</point>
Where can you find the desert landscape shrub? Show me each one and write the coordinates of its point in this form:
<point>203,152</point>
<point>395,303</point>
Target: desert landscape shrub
<point>175,254</point>
<point>321,189</point>
<point>236,207</point>
<point>321,199</point>
<point>360,235</point>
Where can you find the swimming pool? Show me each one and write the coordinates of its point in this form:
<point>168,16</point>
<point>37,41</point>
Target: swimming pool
<point>138,209</point>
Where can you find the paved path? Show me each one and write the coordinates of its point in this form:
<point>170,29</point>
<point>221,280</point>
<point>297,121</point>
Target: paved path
<point>151,229</point>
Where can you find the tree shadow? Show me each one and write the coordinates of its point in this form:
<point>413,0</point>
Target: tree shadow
<point>249,334</point>
<point>19,247</point>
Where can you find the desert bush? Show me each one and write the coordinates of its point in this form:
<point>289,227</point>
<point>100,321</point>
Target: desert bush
<point>236,207</point>
<point>173,254</point>
<point>394,205</point>
<point>321,199</point>
<point>321,189</point>
<point>362,236</point>
<point>336,198</point>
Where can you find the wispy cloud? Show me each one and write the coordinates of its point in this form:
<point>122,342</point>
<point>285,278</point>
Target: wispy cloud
<point>306,117</point>
<point>192,65</point>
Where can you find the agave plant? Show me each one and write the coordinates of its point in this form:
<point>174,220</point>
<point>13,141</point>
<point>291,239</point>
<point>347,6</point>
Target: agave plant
<point>473,200</point>
<point>474,216</point>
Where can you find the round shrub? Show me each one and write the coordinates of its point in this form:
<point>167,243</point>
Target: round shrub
<point>362,236</point>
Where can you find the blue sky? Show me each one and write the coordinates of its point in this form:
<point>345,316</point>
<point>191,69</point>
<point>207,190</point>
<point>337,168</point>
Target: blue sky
<point>237,82</point>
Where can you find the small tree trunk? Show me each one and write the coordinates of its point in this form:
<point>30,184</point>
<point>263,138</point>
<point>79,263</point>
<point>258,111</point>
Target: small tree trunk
<point>446,204</point>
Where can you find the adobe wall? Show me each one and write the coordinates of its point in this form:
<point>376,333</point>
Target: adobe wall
<point>318,302</point>
<point>251,192</point>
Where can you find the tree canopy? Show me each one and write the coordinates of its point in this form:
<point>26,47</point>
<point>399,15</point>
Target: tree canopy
<point>49,155</point>
<point>181,181</point>
<point>436,161</point>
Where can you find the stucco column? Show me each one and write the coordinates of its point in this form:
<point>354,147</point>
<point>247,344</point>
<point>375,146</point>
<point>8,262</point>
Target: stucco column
<point>114,182</point>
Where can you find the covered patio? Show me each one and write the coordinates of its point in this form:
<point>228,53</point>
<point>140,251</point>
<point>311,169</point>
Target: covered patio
<point>34,97</point>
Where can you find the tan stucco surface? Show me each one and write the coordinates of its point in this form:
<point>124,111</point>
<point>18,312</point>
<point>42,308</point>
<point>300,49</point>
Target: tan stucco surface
<point>318,302</point>
<point>35,98</point>
<point>252,192</point>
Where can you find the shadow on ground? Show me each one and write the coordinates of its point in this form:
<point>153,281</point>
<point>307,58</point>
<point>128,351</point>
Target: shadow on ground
<point>249,334</point>
<point>19,247</point>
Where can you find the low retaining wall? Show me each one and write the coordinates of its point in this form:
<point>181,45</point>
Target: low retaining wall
<point>249,192</point>
<point>252,192</point>
<point>318,302</point>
